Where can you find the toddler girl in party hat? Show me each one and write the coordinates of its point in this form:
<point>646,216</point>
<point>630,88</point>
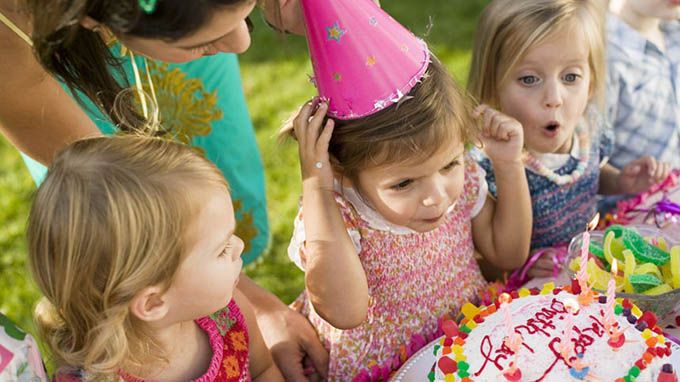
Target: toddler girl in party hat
<point>131,241</point>
<point>541,63</point>
<point>392,205</point>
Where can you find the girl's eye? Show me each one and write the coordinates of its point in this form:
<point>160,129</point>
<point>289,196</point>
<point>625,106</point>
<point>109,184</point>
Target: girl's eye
<point>201,49</point>
<point>226,250</point>
<point>571,77</point>
<point>451,165</point>
<point>402,185</point>
<point>529,80</point>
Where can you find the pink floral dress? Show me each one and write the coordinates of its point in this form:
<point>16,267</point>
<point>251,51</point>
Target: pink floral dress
<point>414,279</point>
<point>228,335</point>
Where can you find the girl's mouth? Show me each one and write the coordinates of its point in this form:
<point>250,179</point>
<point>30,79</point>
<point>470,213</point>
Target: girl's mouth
<point>551,129</point>
<point>433,220</point>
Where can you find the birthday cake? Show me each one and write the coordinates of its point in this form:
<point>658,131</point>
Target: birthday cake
<point>546,335</point>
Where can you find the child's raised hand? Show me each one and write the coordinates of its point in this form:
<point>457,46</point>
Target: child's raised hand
<point>502,136</point>
<point>313,142</point>
<point>640,174</point>
<point>547,264</point>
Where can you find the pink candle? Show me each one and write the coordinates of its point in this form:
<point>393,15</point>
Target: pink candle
<point>611,297</point>
<point>571,306</point>
<point>582,275</point>
<point>504,299</point>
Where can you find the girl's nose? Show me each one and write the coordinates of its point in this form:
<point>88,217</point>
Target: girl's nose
<point>238,41</point>
<point>552,96</point>
<point>435,195</point>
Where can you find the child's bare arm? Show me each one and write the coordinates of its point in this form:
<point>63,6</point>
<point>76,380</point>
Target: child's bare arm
<point>335,280</point>
<point>262,367</point>
<point>502,230</point>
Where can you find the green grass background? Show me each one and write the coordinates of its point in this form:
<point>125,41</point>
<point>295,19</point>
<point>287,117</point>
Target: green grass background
<point>275,77</point>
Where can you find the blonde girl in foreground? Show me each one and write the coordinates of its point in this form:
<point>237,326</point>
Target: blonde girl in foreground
<point>131,241</point>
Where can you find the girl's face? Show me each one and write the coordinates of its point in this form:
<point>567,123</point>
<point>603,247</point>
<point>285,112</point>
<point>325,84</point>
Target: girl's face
<point>226,31</point>
<point>416,195</point>
<point>211,265</point>
<point>548,91</point>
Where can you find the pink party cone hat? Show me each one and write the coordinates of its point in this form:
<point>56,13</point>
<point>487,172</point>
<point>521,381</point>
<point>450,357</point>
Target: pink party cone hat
<point>363,59</point>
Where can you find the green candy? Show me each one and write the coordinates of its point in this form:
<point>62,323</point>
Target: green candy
<point>634,371</point>
<point>596,249</point>
<point>617,229</point>
<point>462,365</point>
<point>658,253</point>
<point>464,329</point>
<point>436,349</point>
<point>430,376</point>
<point>642,251</point>
<point>644,282</point>
<point>618,309</point>
<point>463,373</point>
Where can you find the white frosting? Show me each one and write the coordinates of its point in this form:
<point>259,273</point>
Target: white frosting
<point>541,321</point>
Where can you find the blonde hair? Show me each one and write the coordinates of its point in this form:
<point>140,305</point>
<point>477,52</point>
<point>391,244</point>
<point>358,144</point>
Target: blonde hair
<point>108,221</point>
<point>507,30</point>
<point>434,113</point>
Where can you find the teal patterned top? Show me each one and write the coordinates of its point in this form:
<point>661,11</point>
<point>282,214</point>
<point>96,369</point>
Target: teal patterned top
<point>202,104</point>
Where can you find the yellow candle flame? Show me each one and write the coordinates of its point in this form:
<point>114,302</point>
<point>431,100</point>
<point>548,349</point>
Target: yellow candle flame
<point>504,298</point>
<point>592,224</point>
<point>615,268</point>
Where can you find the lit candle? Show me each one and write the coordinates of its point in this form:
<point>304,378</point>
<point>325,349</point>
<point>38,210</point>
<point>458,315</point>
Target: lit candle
<point>582,275</point>
<point>504,299</point>
<point>567,347</point>
<point>611,297</point>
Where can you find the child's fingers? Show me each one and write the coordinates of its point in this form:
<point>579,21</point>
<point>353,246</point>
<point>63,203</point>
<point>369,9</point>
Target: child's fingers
<point>300,122</point>
<point>479,110</point>
<point>650,165</point>
<point>662,171</point>
<point>505,132</point>
<point>488,120</point>
<point>539,272</point>
<point>325,137</point>
<point>315,123</point>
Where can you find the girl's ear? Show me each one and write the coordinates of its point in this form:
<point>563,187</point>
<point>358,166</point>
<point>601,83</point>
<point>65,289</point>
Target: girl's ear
<point>88,22</point>
<point>149,304</point>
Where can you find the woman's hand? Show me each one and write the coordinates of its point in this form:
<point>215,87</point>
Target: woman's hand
<point>292,341</point>
<point>294,344</point>
<point>502,136</point>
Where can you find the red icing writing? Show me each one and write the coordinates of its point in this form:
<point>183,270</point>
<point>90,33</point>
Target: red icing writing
<point>543,325</point>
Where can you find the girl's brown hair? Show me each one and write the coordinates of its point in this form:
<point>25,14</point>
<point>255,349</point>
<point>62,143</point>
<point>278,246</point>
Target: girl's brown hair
<point>82,60</point>
<point>107,222</point>
<point>507,30</point>
<point>434,113</point>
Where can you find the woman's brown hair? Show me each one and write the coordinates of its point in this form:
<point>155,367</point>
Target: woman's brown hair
<point>83,61</point>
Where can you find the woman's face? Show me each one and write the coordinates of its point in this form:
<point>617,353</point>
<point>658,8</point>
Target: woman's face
<point>226,31</point>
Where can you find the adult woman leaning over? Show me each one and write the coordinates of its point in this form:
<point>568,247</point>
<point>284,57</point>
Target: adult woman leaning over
<point>76,68</point>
